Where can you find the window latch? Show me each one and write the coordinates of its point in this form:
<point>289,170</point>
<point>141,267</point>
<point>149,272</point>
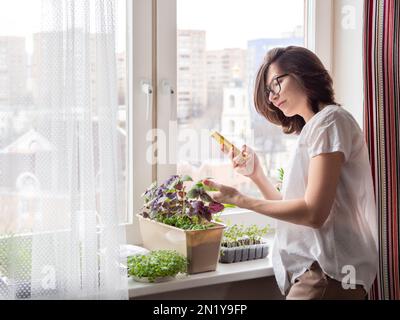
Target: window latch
<point>147,89</point>
<point>166,87</point>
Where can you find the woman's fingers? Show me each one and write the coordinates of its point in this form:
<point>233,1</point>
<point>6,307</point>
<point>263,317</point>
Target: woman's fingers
<point>230,153</point>
<point>241,160</point>
<point>212,184</point>
<point>232,157</point>
<point>222,147</point>
<point>217,197</point>
<point>245,152</point>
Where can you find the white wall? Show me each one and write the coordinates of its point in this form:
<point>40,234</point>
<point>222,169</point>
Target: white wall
<point>347,55</point>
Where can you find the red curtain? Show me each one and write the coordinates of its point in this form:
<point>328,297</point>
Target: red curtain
<point>382,130</point>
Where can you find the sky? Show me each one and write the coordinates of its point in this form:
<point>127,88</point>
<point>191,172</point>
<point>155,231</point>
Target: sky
<point>23,18</point>
<point>230,23</point>
<point>19,17</point>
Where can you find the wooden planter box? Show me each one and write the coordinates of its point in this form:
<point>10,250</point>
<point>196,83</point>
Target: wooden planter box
<point>201,247</point>
<point>243,253</point>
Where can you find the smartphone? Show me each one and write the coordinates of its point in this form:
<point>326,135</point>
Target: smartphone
<point>228,145</point>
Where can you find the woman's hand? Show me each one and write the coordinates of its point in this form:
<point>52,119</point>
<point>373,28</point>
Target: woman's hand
<point>246,163</point>
<point>225,194</point>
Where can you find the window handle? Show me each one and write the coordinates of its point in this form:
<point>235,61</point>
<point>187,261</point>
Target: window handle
<point>147,89</point>
<point>166,87</point>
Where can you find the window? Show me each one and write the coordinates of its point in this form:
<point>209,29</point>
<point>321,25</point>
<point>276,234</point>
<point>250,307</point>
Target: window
<point>232,101</point>
<point>225,57</point>
<point>21,112</point>
<point>231,127</point>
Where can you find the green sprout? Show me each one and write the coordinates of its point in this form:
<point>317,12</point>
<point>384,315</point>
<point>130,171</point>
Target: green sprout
<point>281,174</point>
<point>239,235</point>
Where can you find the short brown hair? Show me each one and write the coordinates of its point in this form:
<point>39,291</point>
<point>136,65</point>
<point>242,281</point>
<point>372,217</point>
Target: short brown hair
<point>311,74</point>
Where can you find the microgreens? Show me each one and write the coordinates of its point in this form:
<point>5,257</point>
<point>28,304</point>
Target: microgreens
<point>240,235</point>
<point>156,264</point>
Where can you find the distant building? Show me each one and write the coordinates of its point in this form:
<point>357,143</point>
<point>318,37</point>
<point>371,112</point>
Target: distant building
<point>13,71</point>
<point>29,143</point>
<point>36,173</point>
<point>47,71</point>
<point>235,118</point>
<point>22,156</point>
<point>223,66</point>
<point>192,87</point>
<point>48,76</point>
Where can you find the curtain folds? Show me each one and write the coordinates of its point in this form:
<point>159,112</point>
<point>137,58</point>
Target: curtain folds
<point>382,130</point>
<point>64,236</point>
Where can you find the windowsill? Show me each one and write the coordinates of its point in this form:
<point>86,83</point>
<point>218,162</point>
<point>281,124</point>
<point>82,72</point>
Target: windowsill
<point>226,272</point>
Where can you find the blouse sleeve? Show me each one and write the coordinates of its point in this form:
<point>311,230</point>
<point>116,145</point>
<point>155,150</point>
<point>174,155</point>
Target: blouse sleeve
<point>332,135</point>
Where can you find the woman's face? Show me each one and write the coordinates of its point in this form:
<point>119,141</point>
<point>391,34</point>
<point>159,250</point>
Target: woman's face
<point>291,99</point>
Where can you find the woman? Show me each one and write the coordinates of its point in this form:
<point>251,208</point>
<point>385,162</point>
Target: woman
<point>326,235</point>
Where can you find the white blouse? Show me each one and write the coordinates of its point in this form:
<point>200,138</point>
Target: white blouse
<point>349,237</point>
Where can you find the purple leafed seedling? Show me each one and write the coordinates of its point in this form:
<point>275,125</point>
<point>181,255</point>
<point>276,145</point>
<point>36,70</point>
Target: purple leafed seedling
<point>170,203</point>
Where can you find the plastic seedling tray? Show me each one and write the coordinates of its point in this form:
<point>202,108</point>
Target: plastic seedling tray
<point>243,253</point>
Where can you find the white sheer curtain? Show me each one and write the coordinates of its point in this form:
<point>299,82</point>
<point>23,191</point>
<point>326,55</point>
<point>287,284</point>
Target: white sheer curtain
<point>59,178</point>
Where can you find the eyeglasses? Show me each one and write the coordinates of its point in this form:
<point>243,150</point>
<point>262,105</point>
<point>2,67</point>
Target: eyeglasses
<point>275,86</point>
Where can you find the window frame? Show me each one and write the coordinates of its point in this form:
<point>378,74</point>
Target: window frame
<point>318,38</point>
<point>139,68</point>
<point>319,29</point>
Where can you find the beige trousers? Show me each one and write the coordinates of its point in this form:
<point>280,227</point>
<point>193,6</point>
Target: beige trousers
<point>314,284</point>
